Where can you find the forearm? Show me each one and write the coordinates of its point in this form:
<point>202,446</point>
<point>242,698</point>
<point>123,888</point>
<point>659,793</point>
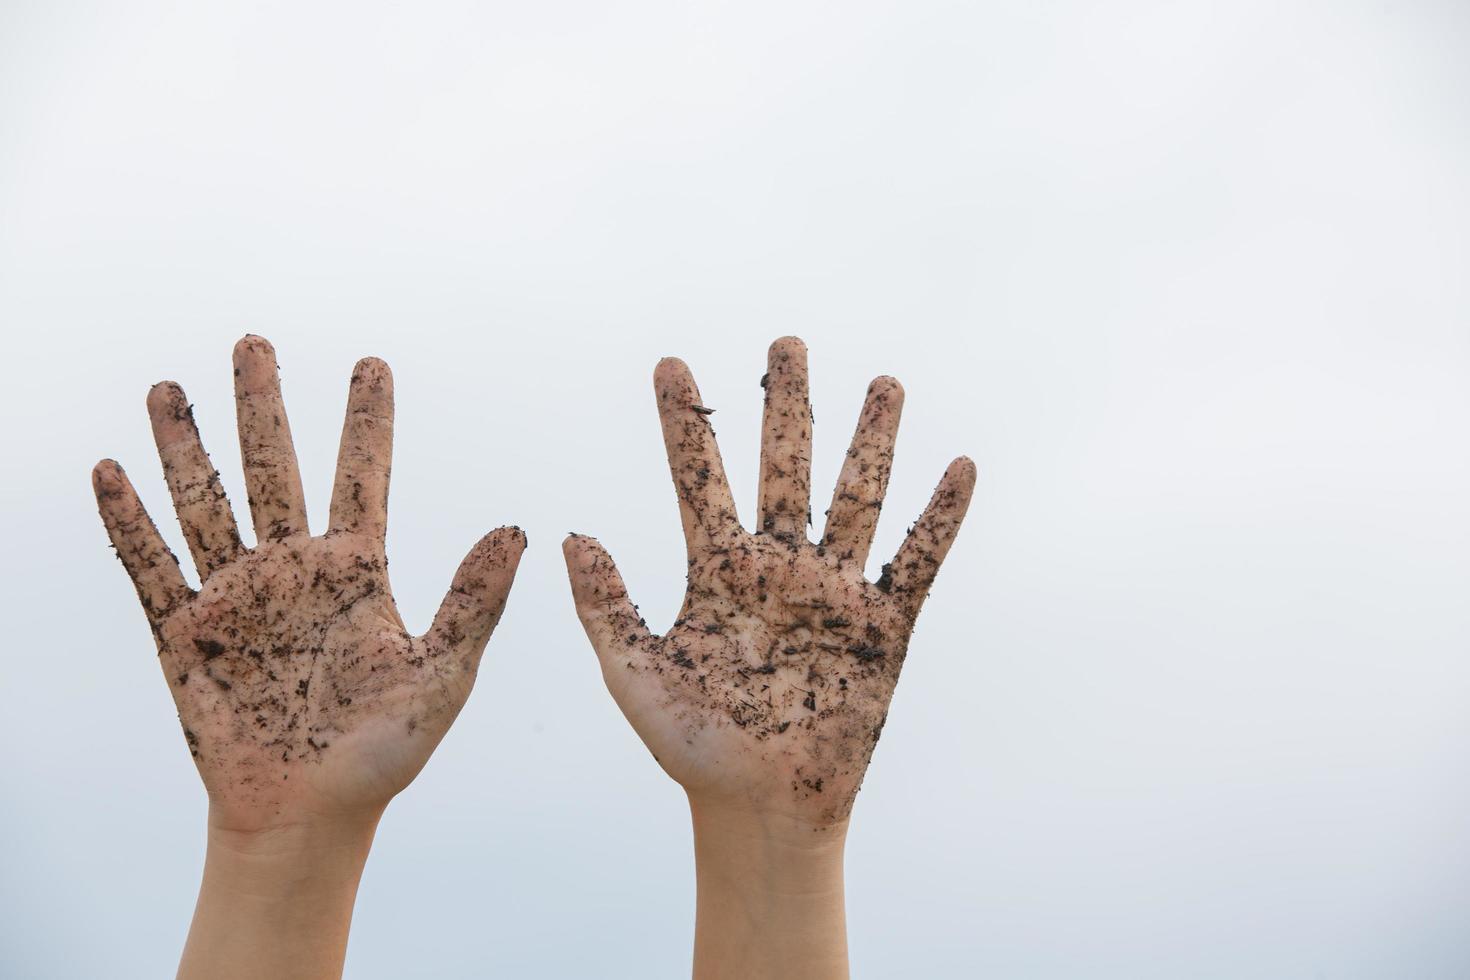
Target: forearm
<point>770,897</point>
<point>277,903</point>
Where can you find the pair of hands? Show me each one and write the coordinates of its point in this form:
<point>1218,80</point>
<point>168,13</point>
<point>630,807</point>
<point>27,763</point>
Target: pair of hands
<point>306,703</point>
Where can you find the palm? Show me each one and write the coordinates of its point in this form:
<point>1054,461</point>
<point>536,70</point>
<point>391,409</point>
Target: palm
<point>772,686</point>
<point>295,650</point>
<point>803,677</point>
<point>298,688</point>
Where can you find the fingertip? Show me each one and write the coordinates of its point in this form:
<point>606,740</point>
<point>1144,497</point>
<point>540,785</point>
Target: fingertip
<point>489,568</point>
<point>786,351</point>
<point>575,544</point>
<point>962,470</point>
<point>597,588</point>
<point>511,538</point>
<point>478,593</point>
<point>108,476</point>
<point>886,386</point>
<point>372,370</point>
<point>502,545</point>
<point>255,365</point>
<point>253,345</point>
<point>669,370</point>
<point>164,393</point>
<point>167,402</point>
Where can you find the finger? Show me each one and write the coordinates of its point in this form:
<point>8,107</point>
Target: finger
<point>272,480</point>
<point>204,511</point>
<point>470,610</point>
<point>911,573</point>
<point>705,505</point>
<point>863,482</point>
<point>152,567</point>
<point>786,443</point>
<point>607,614</point>
<point>365,459</point>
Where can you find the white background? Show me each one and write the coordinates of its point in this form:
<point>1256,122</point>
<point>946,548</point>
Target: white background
<point>1188,281</point>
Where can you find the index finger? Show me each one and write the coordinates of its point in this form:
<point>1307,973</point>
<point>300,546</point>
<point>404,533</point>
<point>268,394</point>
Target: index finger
<point>705,504</point>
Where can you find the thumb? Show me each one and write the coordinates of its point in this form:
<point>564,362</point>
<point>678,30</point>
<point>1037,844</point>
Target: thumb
<point>608,615</point>
<point>470,610</point>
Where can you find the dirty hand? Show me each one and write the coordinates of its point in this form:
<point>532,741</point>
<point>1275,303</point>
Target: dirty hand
<point>768,693</point>
<point>300,692</point>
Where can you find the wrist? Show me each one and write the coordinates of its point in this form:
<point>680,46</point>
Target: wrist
<point>277,901</point>
<point>769,895</point>
<point>304,836</point>
<point>314,861</point>
<point>759,831</point>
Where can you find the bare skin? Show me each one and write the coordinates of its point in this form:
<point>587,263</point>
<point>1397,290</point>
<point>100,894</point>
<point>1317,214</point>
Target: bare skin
<point>304,701</point>
<point>766,697</point>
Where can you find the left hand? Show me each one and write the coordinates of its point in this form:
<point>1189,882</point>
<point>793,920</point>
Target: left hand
<point>300,692</point>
